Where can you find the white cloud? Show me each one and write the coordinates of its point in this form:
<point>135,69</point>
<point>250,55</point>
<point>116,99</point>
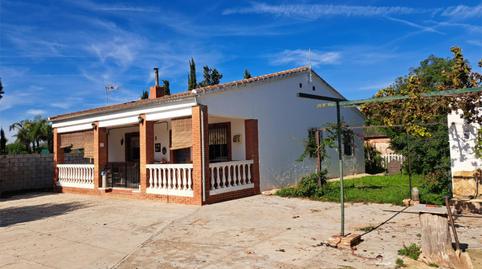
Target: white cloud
<point>301,57</point>
<point>415,25</point>
<point>36,112</point>
<point>462,11</point>
<point>315,11</point>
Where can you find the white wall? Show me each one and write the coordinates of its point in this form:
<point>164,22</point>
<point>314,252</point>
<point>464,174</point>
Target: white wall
<point>461,147</point>
<point>283,123</point>
<point>116,150</point>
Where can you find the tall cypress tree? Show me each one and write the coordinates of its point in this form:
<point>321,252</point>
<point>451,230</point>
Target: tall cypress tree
<point>166,87</point>
<point>192,83</point>
<point>3,142</point>
<point>1,89</point>
<point>246,74</point>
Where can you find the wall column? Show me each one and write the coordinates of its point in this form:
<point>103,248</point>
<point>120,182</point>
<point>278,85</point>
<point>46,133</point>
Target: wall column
<point>58,155</point>
<point>200,157</point>
<point>146,144</point>
<point>100,153</point>
<point>251,134</point>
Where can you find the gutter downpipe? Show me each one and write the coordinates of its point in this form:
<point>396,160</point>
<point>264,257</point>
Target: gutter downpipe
<point>203,168</point>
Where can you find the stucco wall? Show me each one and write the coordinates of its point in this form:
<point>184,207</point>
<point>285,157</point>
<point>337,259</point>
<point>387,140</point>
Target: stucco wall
<point>462,137</point>
<point>284,121</point>
<point>115,148</point>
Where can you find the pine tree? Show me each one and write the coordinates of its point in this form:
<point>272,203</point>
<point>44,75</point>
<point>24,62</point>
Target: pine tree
<point>211,76</point>
<point>192,83</point>
<point>246,74</point>
<point>166,87</point>
<point>3,142</point>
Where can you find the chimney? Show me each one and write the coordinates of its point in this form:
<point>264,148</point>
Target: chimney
<point>156,91</point>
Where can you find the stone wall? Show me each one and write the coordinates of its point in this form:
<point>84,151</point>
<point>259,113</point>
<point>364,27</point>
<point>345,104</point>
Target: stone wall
<point>27,172</point>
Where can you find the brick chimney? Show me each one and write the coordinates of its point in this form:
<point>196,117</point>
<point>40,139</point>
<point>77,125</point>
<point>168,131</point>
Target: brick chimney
<point>156,91</point>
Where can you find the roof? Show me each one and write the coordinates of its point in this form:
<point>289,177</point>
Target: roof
<point>177,96</point>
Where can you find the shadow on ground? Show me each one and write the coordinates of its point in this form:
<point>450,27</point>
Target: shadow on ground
<point>14,215</point>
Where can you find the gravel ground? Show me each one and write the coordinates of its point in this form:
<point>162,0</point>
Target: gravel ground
<point>76,231</point>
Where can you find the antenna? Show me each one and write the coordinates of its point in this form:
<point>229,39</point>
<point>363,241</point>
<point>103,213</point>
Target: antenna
<point>309,63</point>
<point>109,88</point>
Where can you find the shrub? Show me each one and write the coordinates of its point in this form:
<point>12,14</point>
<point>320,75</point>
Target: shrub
<point>413,251</point>
<point>307,187</point>
<point>373,160</point>
<point>435,187</point>
<point>399,262</point>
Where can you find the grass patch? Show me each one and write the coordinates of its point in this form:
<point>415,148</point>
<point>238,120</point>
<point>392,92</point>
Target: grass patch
<point>390,189</point>
<point>367,229</point>
<point>399,263</point>
<point>413,251</point>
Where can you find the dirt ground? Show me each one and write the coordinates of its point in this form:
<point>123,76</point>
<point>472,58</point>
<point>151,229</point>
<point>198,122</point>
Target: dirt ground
<point>77,231</point>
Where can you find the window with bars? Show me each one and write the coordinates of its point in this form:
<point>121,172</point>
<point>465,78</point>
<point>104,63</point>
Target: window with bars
<point>219,142</point>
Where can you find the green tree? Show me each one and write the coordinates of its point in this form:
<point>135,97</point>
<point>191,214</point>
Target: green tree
<point>191,79</point>
<point>16,148</point>
<point>167,89</point>
<point>246,74</point>
<point>3,142</point>
<point>144,94</point>
<point>33,133</point>
<point>417,126</point>
<point>211,76</point>
<point>2,92</point>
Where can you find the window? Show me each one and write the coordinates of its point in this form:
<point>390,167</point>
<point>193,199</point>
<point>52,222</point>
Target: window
<point>219,142</point>
<point>348,143</point>
<point>301,85</point>
<point>313,88</point>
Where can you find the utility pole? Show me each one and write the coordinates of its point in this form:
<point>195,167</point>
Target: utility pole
<point>340,153</point>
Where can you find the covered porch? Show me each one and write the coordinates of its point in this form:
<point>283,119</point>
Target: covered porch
<point>180,155</point>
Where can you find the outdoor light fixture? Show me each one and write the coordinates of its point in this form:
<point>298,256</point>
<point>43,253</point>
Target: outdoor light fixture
<point>94,126</point>
<point>140,119</point>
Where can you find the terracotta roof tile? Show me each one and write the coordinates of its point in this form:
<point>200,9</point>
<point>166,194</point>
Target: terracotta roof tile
<point>177,96</point>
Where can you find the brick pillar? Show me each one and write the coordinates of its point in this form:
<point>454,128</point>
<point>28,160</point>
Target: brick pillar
<point>58,155</point>
<point>100,153</point>
<point>197,155</point>
<point>146,144</point>
<point>251,134</point>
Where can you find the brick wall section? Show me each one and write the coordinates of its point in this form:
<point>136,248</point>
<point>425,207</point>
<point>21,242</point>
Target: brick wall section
<point>27,172</point>
<point>196,152</point>
<point>251,134</point>
<point>146,144</point>
<point>100,153</point>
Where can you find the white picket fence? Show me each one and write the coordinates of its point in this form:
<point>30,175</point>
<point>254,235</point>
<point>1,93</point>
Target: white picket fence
<point>230,176</point>
<point>390,157</point>
<point>170,179</point>
<point>76,175</point>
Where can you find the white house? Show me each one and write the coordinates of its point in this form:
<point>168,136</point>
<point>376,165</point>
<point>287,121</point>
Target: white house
<point>210,144</point>
<point>464,163</point>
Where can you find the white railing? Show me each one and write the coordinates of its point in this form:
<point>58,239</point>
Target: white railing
<point>390,157</point>
<point>76,175</point>
<point>170,179</point>
<point>230,176</point>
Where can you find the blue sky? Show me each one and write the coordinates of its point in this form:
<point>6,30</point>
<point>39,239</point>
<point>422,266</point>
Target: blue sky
<point>57,56</point>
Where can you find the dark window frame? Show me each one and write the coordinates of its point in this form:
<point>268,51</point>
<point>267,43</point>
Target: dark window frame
<point>227,127</point>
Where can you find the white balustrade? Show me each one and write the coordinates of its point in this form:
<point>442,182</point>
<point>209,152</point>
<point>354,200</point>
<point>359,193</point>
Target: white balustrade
<point>390,157</point>
<point>170,179</point>
<point>76,175</point>
<point>230,176</point>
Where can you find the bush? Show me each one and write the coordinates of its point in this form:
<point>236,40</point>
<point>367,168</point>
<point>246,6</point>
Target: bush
<point>373,160</point>
<point>307,187</point>
<point>413,251</point>
<point>435,187</point>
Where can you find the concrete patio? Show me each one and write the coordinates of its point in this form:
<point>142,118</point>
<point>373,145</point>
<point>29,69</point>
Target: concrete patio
<point>78,231</point>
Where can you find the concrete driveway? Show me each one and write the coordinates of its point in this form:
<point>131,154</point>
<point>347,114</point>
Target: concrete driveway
<point>76,231</point>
